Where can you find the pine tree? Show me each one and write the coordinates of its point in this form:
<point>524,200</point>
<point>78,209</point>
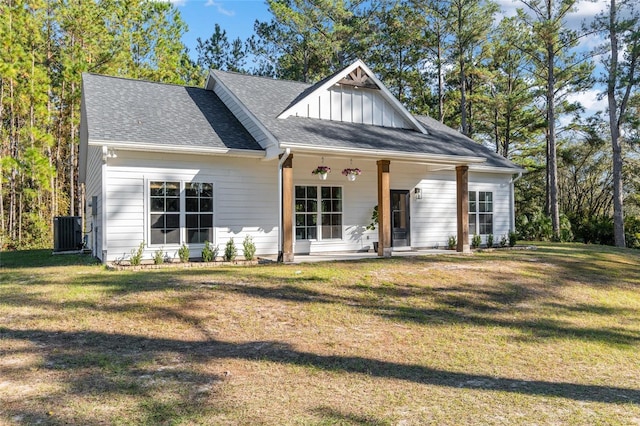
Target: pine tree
<point>559,71</point>
<point>621,25</point>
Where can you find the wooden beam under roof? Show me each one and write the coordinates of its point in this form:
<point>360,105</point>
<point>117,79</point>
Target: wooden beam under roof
<point>358,78</point>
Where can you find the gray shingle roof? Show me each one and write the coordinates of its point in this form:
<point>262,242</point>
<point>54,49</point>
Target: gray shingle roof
<point>266,98</point>
<point>124,110</point>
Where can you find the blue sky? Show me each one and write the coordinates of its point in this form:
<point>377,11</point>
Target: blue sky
<point>236,17</point>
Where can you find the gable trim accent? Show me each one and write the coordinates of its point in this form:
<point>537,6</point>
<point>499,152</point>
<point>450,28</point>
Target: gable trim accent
<point>272,147</point>
<point>386,94</point>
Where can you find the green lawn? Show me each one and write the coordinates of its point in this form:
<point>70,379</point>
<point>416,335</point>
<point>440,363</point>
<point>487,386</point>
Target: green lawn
<point>546,336</point>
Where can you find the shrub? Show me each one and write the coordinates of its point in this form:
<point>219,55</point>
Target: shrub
<point>632,231</point>
<point>503,241</point>
<point>230,251</point>
<point>158,257</point>
<point>452,242</point>
<point>248,248</point>
<point>513,238</point>
<point>136,255</point>
<point>183,253</point>
<point>374,219</point>
<point>475,241</point>
<point>209,254</point>
<point>490,240</point>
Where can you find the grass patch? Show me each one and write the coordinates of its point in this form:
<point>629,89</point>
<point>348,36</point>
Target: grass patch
<point>547,336</point>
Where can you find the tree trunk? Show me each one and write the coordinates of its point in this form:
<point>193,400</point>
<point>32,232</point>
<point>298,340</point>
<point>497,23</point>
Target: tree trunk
<point>552,165</point>
<point>440,79</point>
<point>618,213</point>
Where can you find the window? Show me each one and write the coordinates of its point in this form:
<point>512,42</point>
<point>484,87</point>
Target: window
<point>199,212</point>
<point>306,212</point>
<point>313,202</point>
<point>165,212</point>
<point>480,213</point>
<point>174,206</point>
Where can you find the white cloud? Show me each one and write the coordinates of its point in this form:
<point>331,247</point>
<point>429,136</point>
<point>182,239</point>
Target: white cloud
<point>589,100</point>
<point>220,8</point>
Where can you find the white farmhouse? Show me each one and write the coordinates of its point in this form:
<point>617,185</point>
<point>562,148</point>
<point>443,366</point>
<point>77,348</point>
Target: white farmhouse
<point>168,165</point>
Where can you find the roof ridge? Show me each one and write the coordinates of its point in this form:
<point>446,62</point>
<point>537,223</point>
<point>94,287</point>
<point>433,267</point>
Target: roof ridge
<point>264,77</point>
<point>138,80</point>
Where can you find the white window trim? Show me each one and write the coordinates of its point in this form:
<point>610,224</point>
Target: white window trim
<point>477,213</point>
<point>183,180</point>
<point>319,213</point>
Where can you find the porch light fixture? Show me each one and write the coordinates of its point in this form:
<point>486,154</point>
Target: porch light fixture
<point>417,193</point>
<point>108,153</point>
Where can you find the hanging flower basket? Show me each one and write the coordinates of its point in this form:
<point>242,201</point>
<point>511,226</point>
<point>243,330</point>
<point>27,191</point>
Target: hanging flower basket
<point>322,172</point>
<point>351,174</point>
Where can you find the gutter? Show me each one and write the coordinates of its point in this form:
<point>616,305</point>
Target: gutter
<point>180,149</point>
<point>401,156</point>
<point>285,155</point>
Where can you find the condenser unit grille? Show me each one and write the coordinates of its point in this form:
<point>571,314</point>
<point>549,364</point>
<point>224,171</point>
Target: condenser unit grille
<point>67,233</point>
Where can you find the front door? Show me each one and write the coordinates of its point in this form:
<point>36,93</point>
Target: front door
<point>401,233</point>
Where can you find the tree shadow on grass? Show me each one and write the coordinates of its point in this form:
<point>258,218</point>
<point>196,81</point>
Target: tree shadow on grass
<point>449,309</point>
<point>332,416</point>
<point>127,352</point>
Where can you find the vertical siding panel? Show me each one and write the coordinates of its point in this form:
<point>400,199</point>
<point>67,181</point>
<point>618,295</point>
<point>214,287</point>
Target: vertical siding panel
<point>336,105</point>
<point>314,107</point>
<point>378,111</point>
<point>357,107</point>
<point>367,107</point>
<point>325,105</point>
<point>347,105</point>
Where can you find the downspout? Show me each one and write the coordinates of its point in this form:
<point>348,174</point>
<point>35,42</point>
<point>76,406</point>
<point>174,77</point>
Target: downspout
<point>283,158</point>
<point>513,200</point>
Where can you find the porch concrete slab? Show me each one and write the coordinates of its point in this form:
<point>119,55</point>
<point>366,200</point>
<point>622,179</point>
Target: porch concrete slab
<point>339,256</point>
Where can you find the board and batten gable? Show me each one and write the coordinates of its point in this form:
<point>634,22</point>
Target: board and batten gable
<point>244,197</point>
<point>352,105</point>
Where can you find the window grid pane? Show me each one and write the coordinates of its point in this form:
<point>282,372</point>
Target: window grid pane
<point>165,212</point>
<point>164,206</point>
<point>306,203</point>
<point>331,212</point>
<point>199,212</point>
<point>480,213</point>
<point>309,209</point>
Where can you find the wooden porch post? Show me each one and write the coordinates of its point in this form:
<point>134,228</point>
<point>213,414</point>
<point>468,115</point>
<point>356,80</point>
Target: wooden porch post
<point>462,204</point>
<point>384,209</point>
<point>287,209</point>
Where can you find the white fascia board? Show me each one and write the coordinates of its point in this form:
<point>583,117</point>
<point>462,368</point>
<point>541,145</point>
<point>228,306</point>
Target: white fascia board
<point>494,169</point>
<point>146,147</point>
<point>387,95</point>
<point>213,80</point>
<point>380,154</point>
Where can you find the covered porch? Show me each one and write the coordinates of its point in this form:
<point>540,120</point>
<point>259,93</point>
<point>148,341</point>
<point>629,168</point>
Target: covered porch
<point>380,187</point>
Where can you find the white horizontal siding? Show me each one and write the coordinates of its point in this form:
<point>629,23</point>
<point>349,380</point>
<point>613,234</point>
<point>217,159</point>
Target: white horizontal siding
<point>93,188</point>
<point>245,199</point>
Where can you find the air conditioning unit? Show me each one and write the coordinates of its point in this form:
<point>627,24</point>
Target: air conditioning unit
<point>67,233</point>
